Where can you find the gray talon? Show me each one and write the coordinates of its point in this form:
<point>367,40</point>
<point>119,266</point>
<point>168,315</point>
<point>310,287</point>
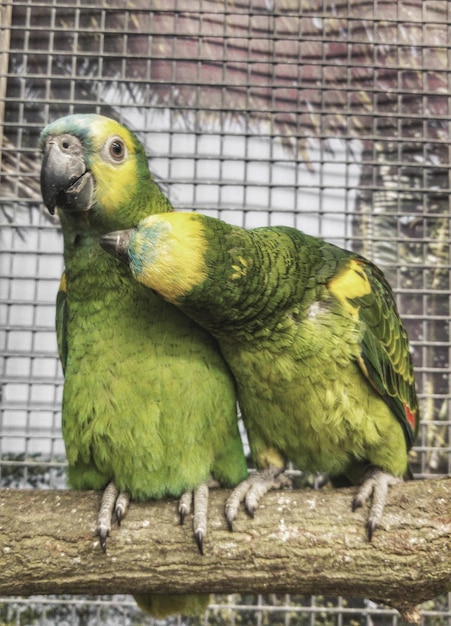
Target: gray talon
<point>197,501</point>
<point>199,536</point>
<point>112,500</point>
<point>185,505</point>
<point>200,515</point>
<point>252,490</point>
<point>375,484</point>
<point>122,504</point>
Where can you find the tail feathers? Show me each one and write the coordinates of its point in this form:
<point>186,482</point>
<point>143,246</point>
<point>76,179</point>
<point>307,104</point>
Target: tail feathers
<point>164,604</point>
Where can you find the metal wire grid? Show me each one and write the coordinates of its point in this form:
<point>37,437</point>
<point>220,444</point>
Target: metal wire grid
<point>330,116</point>
<point>258,611</point>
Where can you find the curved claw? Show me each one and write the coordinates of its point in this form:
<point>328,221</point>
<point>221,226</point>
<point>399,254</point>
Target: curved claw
<point>375,484</point>
<point>200,515</point>
<point>199,536</point>
<point>234,500</point>
<point>107,503</point>
<point>122,504</point>
<point>198,501</point>
<point>252,490</point>
<point>103,534</point>
<point>112,500</point>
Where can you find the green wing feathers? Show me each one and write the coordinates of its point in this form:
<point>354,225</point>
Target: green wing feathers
<point>385,358</point>
<point>61,322</point>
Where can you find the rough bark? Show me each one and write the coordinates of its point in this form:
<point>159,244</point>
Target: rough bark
<point>304,542</point>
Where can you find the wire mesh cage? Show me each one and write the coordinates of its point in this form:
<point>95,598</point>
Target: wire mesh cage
<point>329,115</point>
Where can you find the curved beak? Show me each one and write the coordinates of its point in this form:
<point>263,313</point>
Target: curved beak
<point>65,181</point>
<point>117,244</point>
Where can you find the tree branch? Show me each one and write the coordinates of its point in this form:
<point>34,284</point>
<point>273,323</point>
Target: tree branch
<point>304,542</point>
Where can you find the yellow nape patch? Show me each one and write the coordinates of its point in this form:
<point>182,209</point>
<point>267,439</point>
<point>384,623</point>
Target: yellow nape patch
<point>171,248</point>
<point>351,283</point>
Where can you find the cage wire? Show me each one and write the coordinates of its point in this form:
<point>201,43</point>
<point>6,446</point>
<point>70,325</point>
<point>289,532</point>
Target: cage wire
<point>331,116</point>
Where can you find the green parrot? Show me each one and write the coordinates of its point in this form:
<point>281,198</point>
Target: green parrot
<point>149,405</point>
<point>312,336</point>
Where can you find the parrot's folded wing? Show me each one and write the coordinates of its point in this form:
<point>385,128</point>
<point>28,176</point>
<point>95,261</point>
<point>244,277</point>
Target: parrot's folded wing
<point>385,357</point>
<point>61,321</point>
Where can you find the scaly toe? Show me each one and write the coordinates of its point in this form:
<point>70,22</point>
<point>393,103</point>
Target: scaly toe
<point>185,505</point>
<point>107,503</point>
<point>375,484</point>
<point>234,500</point>
<point>122,504</point>
<point>252,490</point>
<point>200,515</point>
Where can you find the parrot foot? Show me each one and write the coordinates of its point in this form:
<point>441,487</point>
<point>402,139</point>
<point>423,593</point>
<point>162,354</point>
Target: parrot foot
<point>251,490</point>
<point>376,483</point>
<point>200,499</point>
<point>113,501</point>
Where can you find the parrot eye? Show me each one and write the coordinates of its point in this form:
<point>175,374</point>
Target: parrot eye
<point>116,149</point>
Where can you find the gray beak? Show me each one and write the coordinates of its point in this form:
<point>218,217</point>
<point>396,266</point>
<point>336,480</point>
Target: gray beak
<point>65,181</point>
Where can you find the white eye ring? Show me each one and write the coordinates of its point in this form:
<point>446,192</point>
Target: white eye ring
<point>116,149</point>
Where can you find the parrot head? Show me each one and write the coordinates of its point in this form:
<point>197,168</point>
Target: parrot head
<point>164,252</point>
<point>93,163</point>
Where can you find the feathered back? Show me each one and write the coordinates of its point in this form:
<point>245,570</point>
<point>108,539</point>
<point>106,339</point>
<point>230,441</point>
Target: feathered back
<point>257,285</point>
